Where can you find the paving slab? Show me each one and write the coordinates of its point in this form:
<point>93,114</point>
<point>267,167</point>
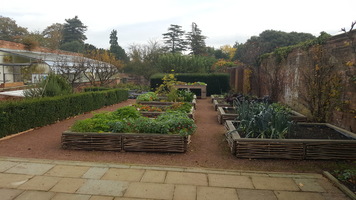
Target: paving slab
<point>13,180</point>
<point>68,185</point>
<point>65,196</point>
<point>9,194</point>
<point>95,172</point>
<point>309,185</point>
<point>5,165</point>
<point>295,175</point>
<point>187,178</point>
<point>254,174</point>
<point>59,180</point>
<point>68,171</point>
<point>334,196</point>
<point>185,192</point>
<point>154,176</point>
<point>214,193</point>
<point>150,191</point>
<point>123,174</point>
<point>272,183</point>
<point>44,183</point>
<point>101,198</point>
<point>287,195</point>
<point>30,168</point>
<point>103,187</point>
<point>35,195</point>
<point>247,194</point>
<point>124,198</point>
<point>328,186</point>
<point>230,181</point>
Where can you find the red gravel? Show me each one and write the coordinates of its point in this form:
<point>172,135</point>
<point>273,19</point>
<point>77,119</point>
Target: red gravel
<point>207,149</point>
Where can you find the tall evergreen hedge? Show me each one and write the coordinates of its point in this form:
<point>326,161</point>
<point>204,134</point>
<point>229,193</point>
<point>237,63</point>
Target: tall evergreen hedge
<point>18,116</point>
<point>218,83</point>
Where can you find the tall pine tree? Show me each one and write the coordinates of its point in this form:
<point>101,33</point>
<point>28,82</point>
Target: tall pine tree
<point>196,41</point>
<point>175,43</point>
<point>115,48</point>
<point>73,36</point>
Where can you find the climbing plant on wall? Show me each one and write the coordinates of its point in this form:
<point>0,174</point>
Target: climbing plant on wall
<point>322,87</point>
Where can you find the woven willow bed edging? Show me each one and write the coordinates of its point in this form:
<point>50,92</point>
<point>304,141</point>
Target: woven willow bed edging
<point>323,149</point>
<point>163,103</point>
<point>215,97</point>
<point>156,114</point>
<point>217,104</point>
<point>125,142</point>
<point>223,116</point>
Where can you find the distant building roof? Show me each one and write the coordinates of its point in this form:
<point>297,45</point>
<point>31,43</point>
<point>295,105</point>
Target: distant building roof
<point>14,93</point>
<point>49,58</point>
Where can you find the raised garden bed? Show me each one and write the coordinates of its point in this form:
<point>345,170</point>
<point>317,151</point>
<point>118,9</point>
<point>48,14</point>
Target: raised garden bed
<point>162,103</point>
<point>229,113</point>
<point>216,97</point>
<point>202,89</point>
<point>153,111</point>
<point>220,103</point>
<point>155,114</point>
<point>125,129</point>
<point>328,142</point>
<point>125,142</point>
<point>226,113</point>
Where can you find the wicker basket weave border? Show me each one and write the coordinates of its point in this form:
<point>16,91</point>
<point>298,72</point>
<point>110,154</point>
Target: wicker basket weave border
<point>322,149</point>
<point>124,142</point>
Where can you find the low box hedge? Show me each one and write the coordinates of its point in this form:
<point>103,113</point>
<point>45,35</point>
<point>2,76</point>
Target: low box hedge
<point>18,116</point>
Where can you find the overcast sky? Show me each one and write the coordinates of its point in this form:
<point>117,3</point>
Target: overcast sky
<point>222,21</point>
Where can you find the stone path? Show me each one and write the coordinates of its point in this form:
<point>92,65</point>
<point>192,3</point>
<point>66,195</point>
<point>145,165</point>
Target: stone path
<point>36,179</point>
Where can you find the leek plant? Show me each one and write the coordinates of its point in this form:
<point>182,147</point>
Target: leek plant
<point>262,120</point>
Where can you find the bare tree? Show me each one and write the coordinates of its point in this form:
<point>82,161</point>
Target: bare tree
<point>143,58</point>
<point>351,36</point>
<point>71,68</point>
<point>102,67</point>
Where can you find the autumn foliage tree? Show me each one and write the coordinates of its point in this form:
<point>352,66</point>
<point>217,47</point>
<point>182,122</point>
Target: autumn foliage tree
<point>10,31</point>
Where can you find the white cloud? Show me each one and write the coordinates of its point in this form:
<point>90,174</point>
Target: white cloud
<point>223,21</point>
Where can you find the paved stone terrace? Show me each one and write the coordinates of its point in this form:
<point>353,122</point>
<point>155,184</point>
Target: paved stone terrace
<point>36,179</point>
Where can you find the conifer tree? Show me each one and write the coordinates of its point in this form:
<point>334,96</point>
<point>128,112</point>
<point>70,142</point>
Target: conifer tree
<point>175,43</point>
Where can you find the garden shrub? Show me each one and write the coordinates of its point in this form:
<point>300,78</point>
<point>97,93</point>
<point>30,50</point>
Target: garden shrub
<point>95,89</point>
<point>17,116</point>
<point>53,85</point>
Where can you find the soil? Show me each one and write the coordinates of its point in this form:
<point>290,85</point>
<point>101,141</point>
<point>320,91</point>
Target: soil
<point>313,132</point>
<point>350,183</point>
<point>208,148</point>
<point>229,110</point>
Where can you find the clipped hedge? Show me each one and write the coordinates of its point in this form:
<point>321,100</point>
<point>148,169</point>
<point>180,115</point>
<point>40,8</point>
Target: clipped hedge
<point>19,116</point>
<point>218,83</point>
<point>95,89</point>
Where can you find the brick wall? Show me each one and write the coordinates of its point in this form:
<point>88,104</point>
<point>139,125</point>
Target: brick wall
<point>285,80</point>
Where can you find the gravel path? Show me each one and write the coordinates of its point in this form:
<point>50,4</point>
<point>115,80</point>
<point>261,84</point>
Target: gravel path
<point>207,149</point>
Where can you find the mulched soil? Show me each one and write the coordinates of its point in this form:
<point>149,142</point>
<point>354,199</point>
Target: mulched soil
<point>208,148</point>
<point>316,132</point>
